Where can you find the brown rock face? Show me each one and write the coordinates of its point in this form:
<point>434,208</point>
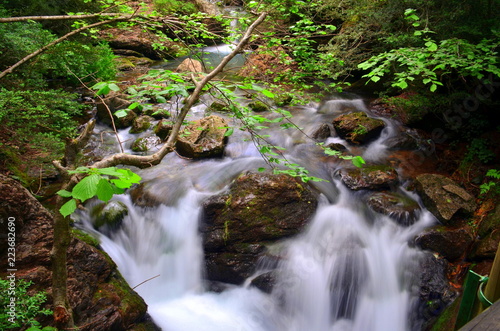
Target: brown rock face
<point>99,296</point>
<point>452,244</point>
<point>257,210</point>
<point>203,138</point>
<point>443,197</point>
<point>357,127</point>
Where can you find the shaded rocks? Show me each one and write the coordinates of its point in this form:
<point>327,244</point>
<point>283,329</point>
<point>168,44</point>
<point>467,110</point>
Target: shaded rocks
<point>399,207</point>
<point>452,244</point>
<point>374,177</point>
<point>357,127</point>
<point>115,101</point>
<point>322,132</point>
<point>99,296</point>
<point>258,209</point>
<point>444,198</point>
<point>203,138</point>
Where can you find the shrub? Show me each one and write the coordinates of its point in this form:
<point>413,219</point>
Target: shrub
<point>28,307</point>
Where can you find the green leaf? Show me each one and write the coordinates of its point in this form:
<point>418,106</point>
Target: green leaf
<point>113,87</point>
<point>134,105</point>
<point>110,171</point>
<point>431,46</point>
<point>358,161</point>
<point>261,169</point>
<point>268,94</point>
<point>65,194</point>
<point>68,208</point>
<point>121,113</point>
<point>104,190</point>
<point>433,87</point>
<point>86,188</point>
<point>375,79</point>
<point>229,132</point>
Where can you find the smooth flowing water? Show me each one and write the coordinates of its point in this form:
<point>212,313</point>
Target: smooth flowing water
<point>350,269</point>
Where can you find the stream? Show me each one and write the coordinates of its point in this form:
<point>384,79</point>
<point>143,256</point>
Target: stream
<point>350,269</point>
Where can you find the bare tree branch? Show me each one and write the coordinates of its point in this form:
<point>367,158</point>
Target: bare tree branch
<point>150,160</point>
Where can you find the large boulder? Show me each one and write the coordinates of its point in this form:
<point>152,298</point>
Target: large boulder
<point>444,198</point>
<point>141,124</point>
<point>372,177</point>
<point>203,138</point>
<point>357,127</point>
<point>452,244</point>
<point>257,210</point>
<point>99,296</point>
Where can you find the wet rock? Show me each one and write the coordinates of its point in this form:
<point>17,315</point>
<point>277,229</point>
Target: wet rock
<point>322,132</point>
<point>265,282</point>
<point>375,177</point>
<point>100,298</point>
<point>257,210</point>
<point>337,147</point>
<point>109,215</point>
<point>451,244</point>
<point>435,292</point>
<point>490,223</point>
<point>407,139</point>
<point>141,124</point>
<point>258,106</point>
<point>203,138</point>
<point>190,65</point>
<point>163,128</point>
<point>400,207</point>
<point>444,198</point>
<point>357,127</point>
<point>145,144</point>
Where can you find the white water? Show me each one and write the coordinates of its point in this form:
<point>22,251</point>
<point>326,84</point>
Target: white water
<point>351,269</point>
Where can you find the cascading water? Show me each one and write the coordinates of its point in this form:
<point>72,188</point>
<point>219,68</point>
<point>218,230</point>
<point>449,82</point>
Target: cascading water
<point>351,269</point>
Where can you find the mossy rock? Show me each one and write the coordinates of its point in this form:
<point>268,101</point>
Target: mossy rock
<point>124,64</point>
<point>109,214</point>
<point>358,128</point>
<point>219,106</point>
<point>258,106</point>
<point>141,124</point>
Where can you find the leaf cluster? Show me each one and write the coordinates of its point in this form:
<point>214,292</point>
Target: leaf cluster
<point>102,183</point>
<point>28,307</point>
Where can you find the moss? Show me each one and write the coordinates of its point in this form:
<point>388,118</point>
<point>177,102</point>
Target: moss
<point>447,319</point>
<point>85,237</point>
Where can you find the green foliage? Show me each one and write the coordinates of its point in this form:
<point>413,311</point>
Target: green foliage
<point>27,307</point>
<point>486,187</point>
<point>479,150</point>
<point>97,183</point>
<point>434,61</point>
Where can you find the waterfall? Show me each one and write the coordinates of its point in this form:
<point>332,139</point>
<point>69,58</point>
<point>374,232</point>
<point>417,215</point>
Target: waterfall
<point>350,269</point>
